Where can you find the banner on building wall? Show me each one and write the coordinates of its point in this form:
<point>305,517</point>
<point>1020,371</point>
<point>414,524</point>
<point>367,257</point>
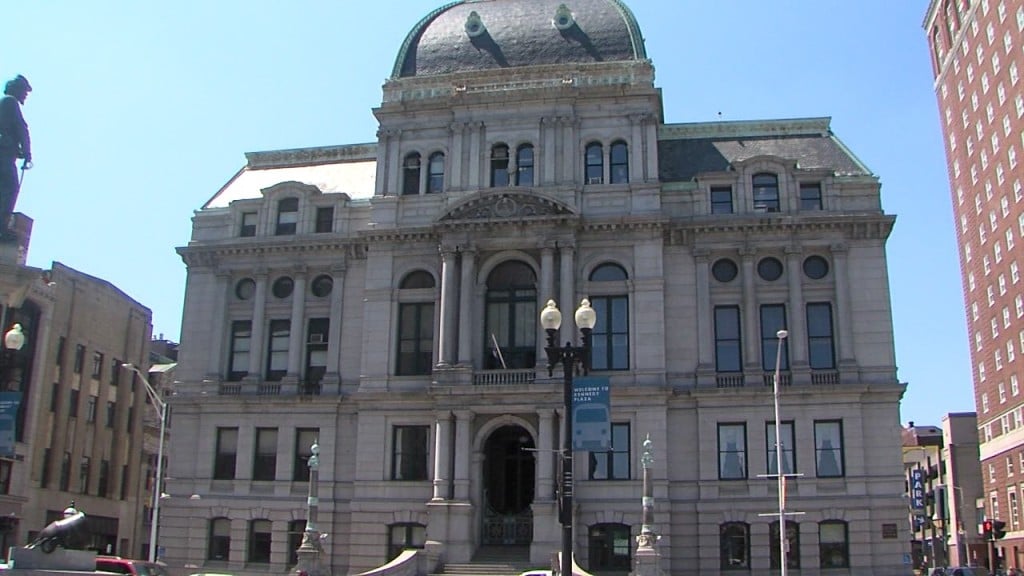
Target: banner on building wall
<point>917,491</point>
<point>9,402</point>
<point>591,414</point>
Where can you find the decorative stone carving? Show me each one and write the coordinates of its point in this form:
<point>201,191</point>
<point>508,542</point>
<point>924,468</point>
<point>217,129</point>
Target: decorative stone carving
<point>507,206</point>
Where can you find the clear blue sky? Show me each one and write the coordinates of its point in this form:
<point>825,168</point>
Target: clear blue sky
<point>142,110</point>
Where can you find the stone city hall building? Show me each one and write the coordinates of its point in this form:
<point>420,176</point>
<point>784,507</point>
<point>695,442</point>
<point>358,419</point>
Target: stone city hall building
<point>384,299</point>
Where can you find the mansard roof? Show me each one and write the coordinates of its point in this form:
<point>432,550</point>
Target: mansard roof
<point>686,151</point>
<point>474,35</point>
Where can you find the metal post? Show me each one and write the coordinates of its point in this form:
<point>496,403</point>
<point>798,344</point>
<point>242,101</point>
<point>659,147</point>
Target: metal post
<point>781,334</point>
<point>161,409</point>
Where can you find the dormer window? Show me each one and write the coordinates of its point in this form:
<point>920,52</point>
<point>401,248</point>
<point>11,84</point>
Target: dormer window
<point>287,216</point>
<point>810,196</point>
<point>766,192</point>
<point>594,162</point>
<point>499,166</point>
<point>248,224</point>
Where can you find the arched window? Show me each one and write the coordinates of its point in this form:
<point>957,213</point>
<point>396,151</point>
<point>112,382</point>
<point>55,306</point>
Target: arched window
<point>435,183</point>
<point>411,174</point>
<point>287,216</point>
<point>296,528</point>
<point>499,166</point>
<point>792,545</point>
<point>524,165</point>
<point>610,546</point>
<point>619,162</point>
<point>766,192</point>
<point>415,326</point>
<point>594,162</point>
<point>833,544</point>
<point>511,317</point>
<point>610,338</point>
<point>259,541</point>
<point>734,542</point>
<point>218,545</point>
<point>405,535</point>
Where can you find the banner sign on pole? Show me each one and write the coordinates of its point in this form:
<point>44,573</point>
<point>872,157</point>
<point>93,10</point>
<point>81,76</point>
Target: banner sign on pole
<point>917,491</point>
<point>591,414</point>
<point>9,402</point>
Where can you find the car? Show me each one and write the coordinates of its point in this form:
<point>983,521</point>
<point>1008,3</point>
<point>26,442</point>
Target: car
<point>129,567</point>
<point>958,571</point>
<point>536,573</point>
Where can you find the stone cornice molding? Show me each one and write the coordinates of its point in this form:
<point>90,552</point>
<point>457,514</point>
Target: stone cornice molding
<point>311,156</point>
<point>850,227</point>
<point>746,128</point>
<point>211,255</point>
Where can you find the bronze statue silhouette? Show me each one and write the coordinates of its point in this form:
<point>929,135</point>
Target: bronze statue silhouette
<point>14,144</point>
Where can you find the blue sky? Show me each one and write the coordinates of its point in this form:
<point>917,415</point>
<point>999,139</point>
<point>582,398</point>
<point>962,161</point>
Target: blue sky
<point>142,110</point>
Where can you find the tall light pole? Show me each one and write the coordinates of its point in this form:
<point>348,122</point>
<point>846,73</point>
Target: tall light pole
<point>781,335</point>
<point>14,340</point>
<point>569,356</point>
<point>161,408</point>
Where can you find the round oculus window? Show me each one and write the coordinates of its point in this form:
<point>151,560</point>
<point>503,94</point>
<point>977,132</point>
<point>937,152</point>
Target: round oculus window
<point>724,270</point>
<point>283,287</point>
<point>769,269</point>
<point>322,286</point>
<point>245,288</point>
<point>815,267</point>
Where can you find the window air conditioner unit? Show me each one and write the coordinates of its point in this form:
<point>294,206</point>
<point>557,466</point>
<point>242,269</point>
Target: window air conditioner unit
<point>760,208</point>
<point>316,338</point>
<point>594,180</point>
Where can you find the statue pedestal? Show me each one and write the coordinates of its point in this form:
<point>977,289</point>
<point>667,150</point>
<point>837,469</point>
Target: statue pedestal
<point>59,559</point>
<point>309,553</point>
<point>646,561</point>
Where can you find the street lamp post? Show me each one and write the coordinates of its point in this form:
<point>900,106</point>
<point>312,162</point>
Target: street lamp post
<point>161,408</point>
<point>14,340</point>
<point>570,357</point>
<point>783,561</point>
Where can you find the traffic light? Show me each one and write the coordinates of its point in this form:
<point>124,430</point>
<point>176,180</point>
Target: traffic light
<point>998,529</point>
<point>986,529</point>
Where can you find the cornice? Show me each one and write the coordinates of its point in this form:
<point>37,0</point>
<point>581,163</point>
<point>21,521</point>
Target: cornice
<point>746,128</point>
<point>853,227</point>
<point>211,255</point>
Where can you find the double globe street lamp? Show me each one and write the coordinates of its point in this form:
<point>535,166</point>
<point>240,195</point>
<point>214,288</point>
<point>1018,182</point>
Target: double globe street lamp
<point>570,357</point>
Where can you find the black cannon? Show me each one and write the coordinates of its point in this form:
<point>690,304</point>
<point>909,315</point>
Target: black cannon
<point>64,532</point>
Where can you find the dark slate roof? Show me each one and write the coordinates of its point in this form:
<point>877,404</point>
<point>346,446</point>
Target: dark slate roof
<point>519,33</point>
<point>683,159</point>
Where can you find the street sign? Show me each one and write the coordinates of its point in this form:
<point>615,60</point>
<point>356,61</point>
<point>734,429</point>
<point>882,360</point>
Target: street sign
<point>591,414</point>
<point>917,491</point>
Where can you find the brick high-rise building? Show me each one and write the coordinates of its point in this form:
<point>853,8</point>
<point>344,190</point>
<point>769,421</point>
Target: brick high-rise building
<point>978,55</point>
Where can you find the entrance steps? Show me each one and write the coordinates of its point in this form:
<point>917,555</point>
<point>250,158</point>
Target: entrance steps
<point>492,561</point>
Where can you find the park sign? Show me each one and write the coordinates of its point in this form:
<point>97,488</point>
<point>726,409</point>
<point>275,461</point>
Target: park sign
<point>9,404</point>
<point>591,414</point>
<point>917,491</point>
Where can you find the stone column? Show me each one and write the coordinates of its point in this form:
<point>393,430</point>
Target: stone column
<point>636,147</point>
<point>567,304</point>
<point>797,322</point>
<point>750,327</point>
<point>475,154</point>
<point>256,341</point>
<point>843,305</point>
<point>442,455</point>
<point>332,377</point>
<point>705,322</point>
<point>457,132</point>
<point>220,328</point>
<point>463,450</point>
<point>545,455</point>
<point>392,186</point>
<point>449,294</point>
<point>296,334</point>
<point>548,126</point>
<point>547,272</point>
<point>466,307</point>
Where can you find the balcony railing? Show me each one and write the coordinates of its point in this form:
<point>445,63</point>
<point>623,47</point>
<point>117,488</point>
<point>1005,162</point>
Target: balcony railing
<point>504,377</point>
<point>824,377</point>
<point>729,380</point>
<point>785,379</point>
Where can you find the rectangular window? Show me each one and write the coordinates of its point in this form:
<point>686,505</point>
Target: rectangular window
<point>5,476</point>
<point>613,464</point>
<point>277,349</point>
<point>79,358</point>
<point>264,463</point>
<point>226,455</point>
<point>260,537</point>
<point>820,343</point>
<point>833,544</point>
<point>111,414</point>
<point>304,439</point>
<point>103,488</point>
<point>97,364</point>
<point>287,216</point>
<point>788,441</point>
<point>90,409</point>
<point>316,354</point>
<point>828,448</point>
<point>44,470</point>
<point>324,219</point>
<point>773,319</point>
<point>248,224</point>
<point>610,338</point>
<point>73,408</point>
<point>83,475</point>
<point>115,372</point>
<point>62,344</point>
<point>721,199</point>
<point>65,472</point>
<point>415,338</point>
<point>54,396</point>
<point>241,340</point>
<point>732,451</point>
<point>810,196</point>
<point>409,453</point>
<point>728,357</point>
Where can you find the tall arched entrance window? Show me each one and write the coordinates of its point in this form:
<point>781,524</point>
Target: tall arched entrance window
<point>511,326</point>
<point>509,478</point>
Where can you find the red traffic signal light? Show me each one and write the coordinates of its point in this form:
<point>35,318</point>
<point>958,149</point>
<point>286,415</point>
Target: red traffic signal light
<point>998,529</point>
<point>986,529</point>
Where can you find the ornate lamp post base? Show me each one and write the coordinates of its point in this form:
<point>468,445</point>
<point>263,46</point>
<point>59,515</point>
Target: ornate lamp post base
<point>309,552</point>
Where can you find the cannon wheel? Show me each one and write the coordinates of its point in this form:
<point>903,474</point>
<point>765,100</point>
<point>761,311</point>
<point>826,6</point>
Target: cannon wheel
<point>48,546</point>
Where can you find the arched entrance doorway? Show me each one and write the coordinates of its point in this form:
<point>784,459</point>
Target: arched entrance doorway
<point>509,479</point>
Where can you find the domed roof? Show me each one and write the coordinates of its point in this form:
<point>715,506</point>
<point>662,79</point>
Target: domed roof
<point>473,35</point>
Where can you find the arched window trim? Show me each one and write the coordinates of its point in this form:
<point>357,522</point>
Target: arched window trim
<point>224,541</point>
<point>734,551</point>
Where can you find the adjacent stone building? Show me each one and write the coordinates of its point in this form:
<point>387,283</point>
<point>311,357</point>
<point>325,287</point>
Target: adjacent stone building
<point>383,299</point>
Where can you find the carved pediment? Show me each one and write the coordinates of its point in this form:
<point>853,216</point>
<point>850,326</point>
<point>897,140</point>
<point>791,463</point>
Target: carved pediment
<point>507,206</point>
